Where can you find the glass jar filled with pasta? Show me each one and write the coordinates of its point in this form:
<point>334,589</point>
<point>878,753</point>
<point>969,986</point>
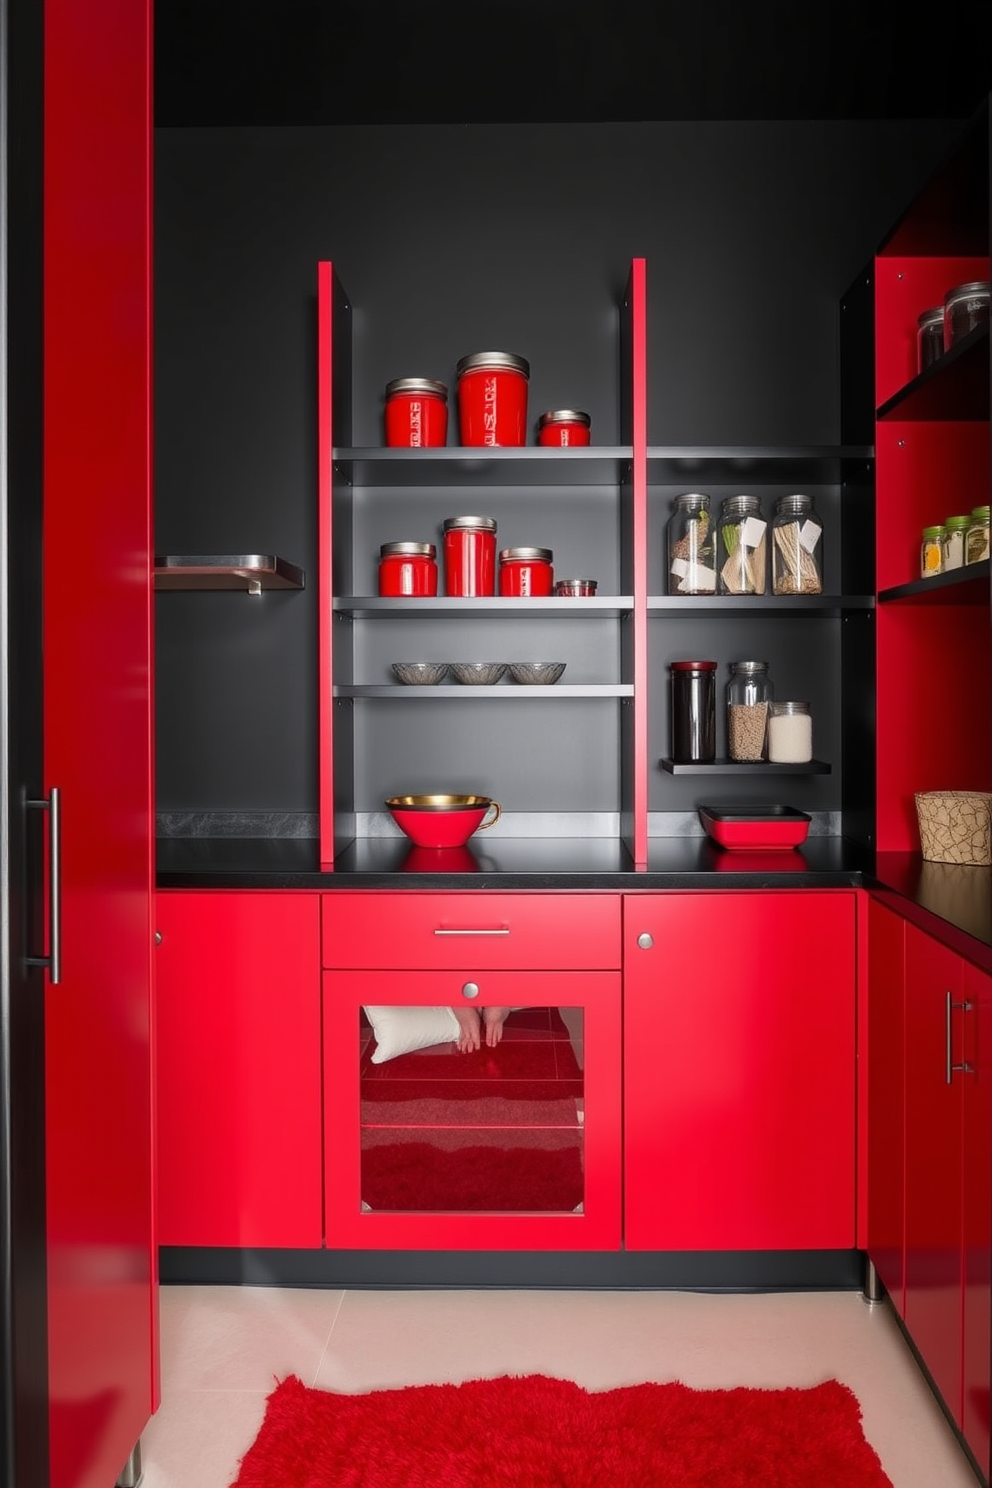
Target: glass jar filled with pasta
<point>796,546</point>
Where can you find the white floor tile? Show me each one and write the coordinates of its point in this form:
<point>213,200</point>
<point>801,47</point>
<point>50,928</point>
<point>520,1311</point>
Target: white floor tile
<point>224,1347</point>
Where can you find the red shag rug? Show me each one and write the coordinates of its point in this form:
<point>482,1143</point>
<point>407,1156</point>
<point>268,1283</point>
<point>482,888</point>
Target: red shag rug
<point>536,1432</point>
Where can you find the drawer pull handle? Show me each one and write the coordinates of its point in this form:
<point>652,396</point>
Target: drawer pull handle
<point>471,932</point>
<point>645,941</point>
<point>952,1069</point>
<point>470,989</point>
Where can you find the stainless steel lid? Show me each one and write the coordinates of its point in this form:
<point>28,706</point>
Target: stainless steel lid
<point>416,385</point>
<point>407,550</point>
<point>526,555</point>
<point>563,416</point>
<point>493,361</point>
<point>934,316</point>
<point>977,289</point>
<point>483,524</point>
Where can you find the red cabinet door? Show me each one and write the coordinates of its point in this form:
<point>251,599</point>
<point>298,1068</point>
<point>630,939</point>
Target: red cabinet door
<point>97,724</point>
<point>886,1098</point>
<point>977,1094</point>
<point>515,1148</point>
<point>239,1141</point>
<point>934,1044</point>
<point>739,1071</point>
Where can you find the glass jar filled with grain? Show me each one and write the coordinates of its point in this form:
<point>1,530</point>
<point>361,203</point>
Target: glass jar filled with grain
<point>976,543</point>
<point>691,548</point>
<point>742,552</point>
<point>749,692</point>
<point>796,546</point>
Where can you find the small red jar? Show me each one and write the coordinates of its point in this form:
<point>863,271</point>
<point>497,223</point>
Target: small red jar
<point>416,413</point>
<point>407,568</point>
<point>526,571</point>
<point>492,398</point>
<point>560,427</point>
<point>469,556</point>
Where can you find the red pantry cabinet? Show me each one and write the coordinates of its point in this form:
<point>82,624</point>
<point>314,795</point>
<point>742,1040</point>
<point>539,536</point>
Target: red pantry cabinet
<point>739,1070</point>
<point>238,988</point>
<point>101,1257</point>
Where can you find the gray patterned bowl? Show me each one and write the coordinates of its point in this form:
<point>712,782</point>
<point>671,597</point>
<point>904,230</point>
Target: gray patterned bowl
<point>477,673</point>
<point>536,673</point>
<point>420,673</point>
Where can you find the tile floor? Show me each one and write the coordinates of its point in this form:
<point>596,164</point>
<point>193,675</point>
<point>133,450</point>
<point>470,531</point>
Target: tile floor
<point>224,1347</point>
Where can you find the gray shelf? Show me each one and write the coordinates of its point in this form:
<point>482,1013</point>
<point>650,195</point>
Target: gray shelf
<point>608,605</point>
<point>502,690</point>
<point>249,572</point>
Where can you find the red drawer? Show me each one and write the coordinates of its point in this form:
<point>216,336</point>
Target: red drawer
<point>377,929</point>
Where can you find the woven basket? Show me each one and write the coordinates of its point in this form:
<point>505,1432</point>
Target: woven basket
<point>954,826</point>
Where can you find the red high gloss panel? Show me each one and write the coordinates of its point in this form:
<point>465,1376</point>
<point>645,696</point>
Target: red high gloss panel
<point>885,1114</point>
<point>102,1260</point>
<point>934,1136</point>
<point>533,1123</point>
<point>904,288</point>
<point>739,1071</point>
<point>493,931</point>
<point>977,1183</point>
<point>239,1069</point>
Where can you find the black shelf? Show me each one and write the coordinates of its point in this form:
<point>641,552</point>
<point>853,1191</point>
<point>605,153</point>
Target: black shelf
<point>597,606</point>
<point>473,692</point>
<point>745,767</point>
<point>955,387</point>
<point>249,572</point>
<point>769,464</point>
<point>969,585</point>
<point>591,465</point>
<point>738,606</point>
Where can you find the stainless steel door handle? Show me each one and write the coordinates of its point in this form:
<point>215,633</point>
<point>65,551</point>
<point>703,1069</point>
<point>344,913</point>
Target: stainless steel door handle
<point>53,805</point>
<point>951,1006</point>
<point>471,932</point>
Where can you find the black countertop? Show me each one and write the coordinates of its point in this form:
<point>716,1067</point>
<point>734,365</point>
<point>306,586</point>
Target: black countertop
<point>951,902</point>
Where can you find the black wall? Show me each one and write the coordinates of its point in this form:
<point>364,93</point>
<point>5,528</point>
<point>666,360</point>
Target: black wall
<point>453,239</point>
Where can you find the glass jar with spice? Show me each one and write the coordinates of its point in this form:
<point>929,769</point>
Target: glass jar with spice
<point>952,543</point>
<point>691,563</point>
<point>929,337</point>
<point>965,307</point>
<point>749,692</point>
<point>976,543</point>
<point>932,552</point>
<point>797,534</point>
<point>742,550</point>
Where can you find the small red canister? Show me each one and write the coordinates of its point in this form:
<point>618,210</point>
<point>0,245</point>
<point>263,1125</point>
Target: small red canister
<point>561,427</point>
<point>526,571</point>
<point>469,556</point>
<point>492,398</point>
<point>416,413</point>
<point>407,568</point>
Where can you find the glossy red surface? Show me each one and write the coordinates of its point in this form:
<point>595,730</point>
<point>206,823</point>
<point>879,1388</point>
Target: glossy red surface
<point>415,574</point>
<point>492,931</point>
<point>492,407</point>
<point>757,833</point>
<point>239,1079</point>
<point>416,420</point>
<point>933,1144</point>
<point>469,562</point>
<point>562,433</point>
<point>442,828</point>
<point>520,577</point>
<point>102,1259</point>
<point>976,1408</point>
<point>884,1119</point>
<point>739,1071</point>
<point>501,1111</point>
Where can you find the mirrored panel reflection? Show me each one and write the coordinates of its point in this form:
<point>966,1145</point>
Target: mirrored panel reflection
<point>448,1127</point>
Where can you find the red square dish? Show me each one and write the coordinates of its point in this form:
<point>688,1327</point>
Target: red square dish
<point>754,828</point>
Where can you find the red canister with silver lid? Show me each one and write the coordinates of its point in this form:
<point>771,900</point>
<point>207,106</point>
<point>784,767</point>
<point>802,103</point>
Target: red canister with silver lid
<point>561,427</point>
<point>407,568</point>
<point>416,413</point>
<point>492,399</point>
<point>526,571</point>
<point>469,556</point>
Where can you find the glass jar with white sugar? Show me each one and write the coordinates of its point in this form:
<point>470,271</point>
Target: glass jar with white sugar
<point>790,733</point>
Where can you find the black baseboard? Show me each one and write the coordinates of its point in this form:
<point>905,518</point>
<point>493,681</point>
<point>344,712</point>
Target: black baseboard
<point>717,1271</point>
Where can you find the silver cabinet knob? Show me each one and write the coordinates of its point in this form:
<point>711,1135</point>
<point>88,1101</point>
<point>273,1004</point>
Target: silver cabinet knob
<point>645,941</point>
<point>158,937</point>
<point>470,989</point>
